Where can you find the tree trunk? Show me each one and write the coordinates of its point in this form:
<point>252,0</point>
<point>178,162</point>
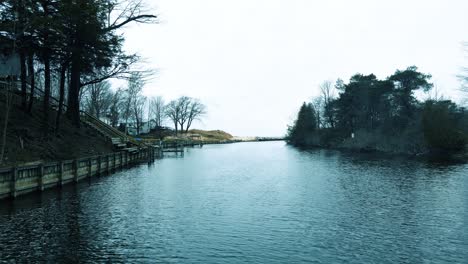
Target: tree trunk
<point>46,92</point>
<point>182,128</point>
<point>22,54</point>
<point>31,80</point>
<point>73,110</point>
<point>63,71</point>
<point>8,101</point>
<point>137,121</point>
<point>189,123</point>
<point>24,95</point>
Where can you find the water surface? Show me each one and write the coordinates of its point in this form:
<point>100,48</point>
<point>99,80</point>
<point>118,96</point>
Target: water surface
<point>249,203</point>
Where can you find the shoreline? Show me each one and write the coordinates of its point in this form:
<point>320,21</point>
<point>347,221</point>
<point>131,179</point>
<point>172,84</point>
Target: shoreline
<point>20,180</point>
<point>456,157</point>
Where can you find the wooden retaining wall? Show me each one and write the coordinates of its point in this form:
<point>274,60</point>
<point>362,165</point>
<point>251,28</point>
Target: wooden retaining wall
<point>17,181</point>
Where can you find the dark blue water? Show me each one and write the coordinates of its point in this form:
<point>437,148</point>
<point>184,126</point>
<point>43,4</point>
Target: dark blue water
<point>249,203</point>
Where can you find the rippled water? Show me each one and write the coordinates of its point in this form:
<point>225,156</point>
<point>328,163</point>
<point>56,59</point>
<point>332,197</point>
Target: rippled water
<point>249,203</point>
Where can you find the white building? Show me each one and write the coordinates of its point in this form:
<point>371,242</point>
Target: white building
<point>145,128</point>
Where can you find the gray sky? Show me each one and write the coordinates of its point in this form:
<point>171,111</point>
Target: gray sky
<point>254,62</point>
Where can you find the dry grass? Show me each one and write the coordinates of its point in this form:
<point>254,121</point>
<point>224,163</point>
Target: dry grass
<point>212,134</point>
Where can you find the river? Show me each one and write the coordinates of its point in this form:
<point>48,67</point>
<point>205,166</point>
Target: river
<point>249,203</point>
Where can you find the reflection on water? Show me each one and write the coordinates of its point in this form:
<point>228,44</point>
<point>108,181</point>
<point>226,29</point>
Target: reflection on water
<point>249,202</point>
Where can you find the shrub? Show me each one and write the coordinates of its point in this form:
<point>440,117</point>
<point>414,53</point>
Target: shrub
<point>442,125</point>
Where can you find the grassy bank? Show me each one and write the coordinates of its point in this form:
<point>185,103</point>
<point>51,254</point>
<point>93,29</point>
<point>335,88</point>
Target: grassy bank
<point>195,136</point>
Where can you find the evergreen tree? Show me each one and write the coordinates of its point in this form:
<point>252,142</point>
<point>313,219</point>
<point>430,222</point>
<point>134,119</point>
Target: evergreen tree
<point>442,124</point>
<point>301,133</point>
<point>404,102</point>
<point>383,115</point>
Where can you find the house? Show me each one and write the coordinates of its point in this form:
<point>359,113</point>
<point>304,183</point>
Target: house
<point>9,59</point>
<point>145,127</point>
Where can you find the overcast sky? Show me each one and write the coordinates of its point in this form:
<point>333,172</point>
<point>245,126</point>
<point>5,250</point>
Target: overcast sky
<point>254,62</point>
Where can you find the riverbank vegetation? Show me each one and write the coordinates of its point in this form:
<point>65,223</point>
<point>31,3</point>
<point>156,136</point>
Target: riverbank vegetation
<point>26,144</point>
<point>369,114</point>
<point>52,51</point>
<point>132,112</point>
<point>72,43</point>
<point>57,60</point>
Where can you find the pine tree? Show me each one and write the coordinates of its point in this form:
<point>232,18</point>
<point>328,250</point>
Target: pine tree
<point>302,131</point>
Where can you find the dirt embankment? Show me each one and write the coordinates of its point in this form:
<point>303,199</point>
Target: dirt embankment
<point>28,143</point>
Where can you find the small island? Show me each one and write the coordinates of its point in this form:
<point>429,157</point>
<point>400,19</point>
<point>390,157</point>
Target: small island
<point>368,114</point>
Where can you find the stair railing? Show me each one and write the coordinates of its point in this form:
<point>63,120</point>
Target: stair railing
<point>90,118</point>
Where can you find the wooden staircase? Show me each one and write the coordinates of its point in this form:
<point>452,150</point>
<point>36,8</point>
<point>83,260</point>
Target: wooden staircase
<point>120,144</point>
<point>119,140</point>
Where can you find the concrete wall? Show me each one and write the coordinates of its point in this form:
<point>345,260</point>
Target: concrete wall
<point>21,180</point>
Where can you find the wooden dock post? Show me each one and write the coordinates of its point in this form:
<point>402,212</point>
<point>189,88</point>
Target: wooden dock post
<point>98,166</point>
<point>41,177</point>
<point>14,176</point>
<point>90,168</point>
<point>75,170</point>
<point>60,183</point>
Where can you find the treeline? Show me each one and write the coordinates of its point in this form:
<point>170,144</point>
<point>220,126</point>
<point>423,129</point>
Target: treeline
<point>371,114</point>
<point>128,105</point>
<point>72,44</point>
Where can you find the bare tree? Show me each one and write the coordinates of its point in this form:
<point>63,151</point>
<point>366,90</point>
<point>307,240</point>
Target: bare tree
<point>317,106</point>
<point>157,110</point>
<point>183,111</point>
<point>328,94</point>
<point>196,111</point>
<point>138,109</point>
<point>327,91</point>
<point>173,113</point>
<point>184,105</point>
<point>132,98</point>
<point>114,114</point>
<point>126,108</point>
<point>98,98</point>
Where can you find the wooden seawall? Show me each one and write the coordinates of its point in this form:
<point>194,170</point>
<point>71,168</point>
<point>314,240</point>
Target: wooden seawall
<point>17,181</point>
